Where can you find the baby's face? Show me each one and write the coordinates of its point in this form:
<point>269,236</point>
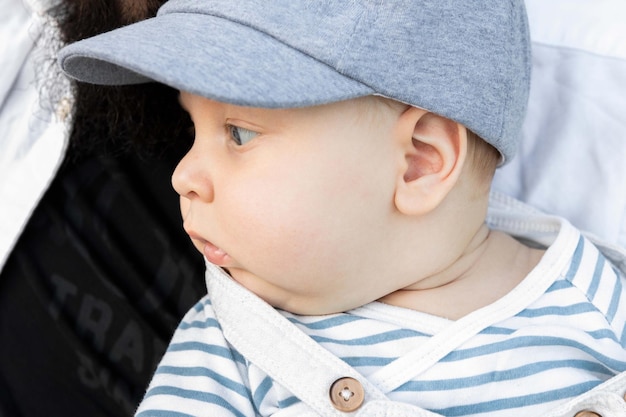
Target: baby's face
<point>293,203</point>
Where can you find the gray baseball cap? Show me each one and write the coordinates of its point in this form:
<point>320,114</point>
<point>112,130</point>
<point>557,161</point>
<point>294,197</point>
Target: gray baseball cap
<point>465,60</point>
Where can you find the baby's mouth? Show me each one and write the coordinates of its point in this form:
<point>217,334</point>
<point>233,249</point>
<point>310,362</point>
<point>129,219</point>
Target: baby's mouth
<point>215,255</point>
<point>212,253</point>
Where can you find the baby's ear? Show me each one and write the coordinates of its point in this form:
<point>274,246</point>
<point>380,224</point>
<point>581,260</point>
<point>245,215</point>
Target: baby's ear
<point>433,151</point>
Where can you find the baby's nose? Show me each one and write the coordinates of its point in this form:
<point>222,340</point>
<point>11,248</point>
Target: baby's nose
<point>191,178</point>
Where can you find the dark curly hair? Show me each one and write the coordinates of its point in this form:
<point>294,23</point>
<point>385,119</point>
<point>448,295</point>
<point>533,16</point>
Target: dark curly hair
<point>144,118</point>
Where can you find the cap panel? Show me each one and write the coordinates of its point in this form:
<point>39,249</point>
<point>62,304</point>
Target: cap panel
<point>468,63</point>
<point>321,29</point>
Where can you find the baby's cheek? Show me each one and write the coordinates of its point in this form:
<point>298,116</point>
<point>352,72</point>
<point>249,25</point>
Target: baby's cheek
<point>273,228</point>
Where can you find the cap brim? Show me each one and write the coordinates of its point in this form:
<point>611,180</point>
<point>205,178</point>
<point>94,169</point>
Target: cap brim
<point>209,56</point>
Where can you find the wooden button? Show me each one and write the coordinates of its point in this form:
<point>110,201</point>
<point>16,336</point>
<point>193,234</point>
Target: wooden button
<point>346,394</point>
<point>587,414</point>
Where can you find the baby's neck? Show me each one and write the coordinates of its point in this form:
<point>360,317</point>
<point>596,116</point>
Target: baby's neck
<point>491,267</point>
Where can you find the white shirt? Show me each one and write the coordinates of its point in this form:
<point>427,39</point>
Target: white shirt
<point>32,138</point>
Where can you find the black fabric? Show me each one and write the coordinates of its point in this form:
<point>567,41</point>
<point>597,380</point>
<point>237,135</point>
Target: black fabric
<point>94,289</point>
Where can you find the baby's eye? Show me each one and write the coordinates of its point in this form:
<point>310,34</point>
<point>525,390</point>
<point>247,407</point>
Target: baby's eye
<point>240,135</point>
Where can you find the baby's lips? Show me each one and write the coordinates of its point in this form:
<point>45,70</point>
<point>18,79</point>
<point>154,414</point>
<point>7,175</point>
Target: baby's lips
<point>214,254</point>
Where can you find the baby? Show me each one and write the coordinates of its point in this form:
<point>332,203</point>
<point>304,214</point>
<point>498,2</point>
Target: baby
<point>338,187</point>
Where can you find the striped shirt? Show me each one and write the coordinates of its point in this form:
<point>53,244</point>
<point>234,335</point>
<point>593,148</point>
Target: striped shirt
<point>567,337</point>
